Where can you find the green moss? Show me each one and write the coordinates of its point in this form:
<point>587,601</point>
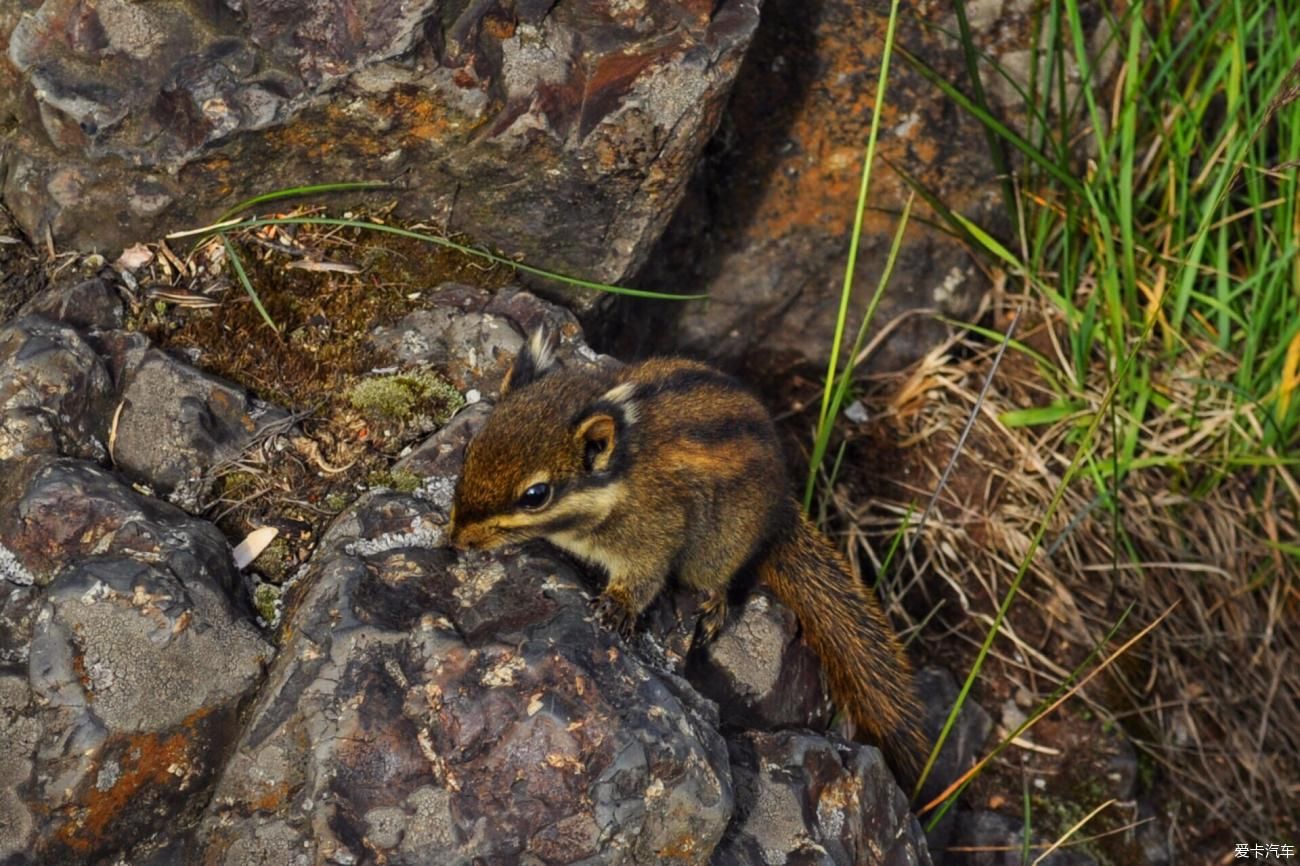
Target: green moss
<point>266,600</point>
<point>274,561</point>
<point>401,481</point>
<point>336,502</point>
<point>412,396</point>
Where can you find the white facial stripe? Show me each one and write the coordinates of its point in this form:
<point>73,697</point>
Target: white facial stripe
<point>539,346</point>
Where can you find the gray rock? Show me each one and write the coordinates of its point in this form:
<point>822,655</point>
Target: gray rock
<point>965,744</point>
<point>562,131</point>
<point>472,347</point>
<point>54,511</point>
<point>762,676</point>
<point>433,709</point>
<point>126,665</point>
<point>55,393</point>
<point>177,423</point>
<point>90,304</point>
<point>803,799</point>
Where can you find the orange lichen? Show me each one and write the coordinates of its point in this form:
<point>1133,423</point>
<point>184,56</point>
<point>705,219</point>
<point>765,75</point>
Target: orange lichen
<point>147,762</point>
<point>275,797</point>
<point>499,27</point>
<point>683,848</point>
<point>813,184</point>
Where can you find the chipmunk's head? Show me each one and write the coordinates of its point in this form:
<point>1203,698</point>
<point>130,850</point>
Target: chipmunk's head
<point>545,462</point>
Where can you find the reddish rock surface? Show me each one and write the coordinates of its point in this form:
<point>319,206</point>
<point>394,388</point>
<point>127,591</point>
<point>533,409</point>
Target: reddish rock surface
<point>764,229</point>
<point>564,131</point>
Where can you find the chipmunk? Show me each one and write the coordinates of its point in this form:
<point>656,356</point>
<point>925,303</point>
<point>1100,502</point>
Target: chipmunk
<point>671,467</point>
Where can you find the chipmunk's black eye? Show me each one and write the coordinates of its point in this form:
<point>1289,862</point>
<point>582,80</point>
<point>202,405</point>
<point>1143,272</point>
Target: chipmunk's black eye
<point>535,496</point>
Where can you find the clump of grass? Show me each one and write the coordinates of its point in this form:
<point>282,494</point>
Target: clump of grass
<point>1156,212</point>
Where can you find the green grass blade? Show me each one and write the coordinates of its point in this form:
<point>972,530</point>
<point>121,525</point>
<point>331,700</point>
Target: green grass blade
<point>233,255</point>
<point>1005,132</point>
<point>461,248</point>
<point>841,383</point>
<point>299,191</point>
<point>846,292</point>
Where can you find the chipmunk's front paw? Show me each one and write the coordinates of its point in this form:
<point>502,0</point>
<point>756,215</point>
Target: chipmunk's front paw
<point>614,615</point>
<point>713,616</point>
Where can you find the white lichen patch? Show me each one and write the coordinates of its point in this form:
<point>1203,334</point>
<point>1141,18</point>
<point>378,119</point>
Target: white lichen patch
<point>503,673</point>
<point>473,584</point>
<point>438,490</point>
<point>421,534</point>
<point>947,290</point>
<point>98,592</point>
<point>12,570</point>
<point>837,800</point>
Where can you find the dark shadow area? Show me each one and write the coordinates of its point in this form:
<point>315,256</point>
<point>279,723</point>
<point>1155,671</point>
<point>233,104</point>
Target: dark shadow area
<point>729,183</point>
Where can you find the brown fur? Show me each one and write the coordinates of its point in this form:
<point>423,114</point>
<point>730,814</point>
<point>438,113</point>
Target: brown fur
<point>671,467</point>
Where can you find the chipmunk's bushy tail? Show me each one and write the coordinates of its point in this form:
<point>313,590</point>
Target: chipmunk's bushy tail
<point>868,672</point>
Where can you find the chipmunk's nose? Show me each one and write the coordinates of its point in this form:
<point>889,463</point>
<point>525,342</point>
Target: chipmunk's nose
<point>460,536</point>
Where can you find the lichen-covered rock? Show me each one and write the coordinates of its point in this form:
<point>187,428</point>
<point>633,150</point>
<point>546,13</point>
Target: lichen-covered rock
<point>177,423</point>
<point>561,130</point>
<point>433,709</point>
<point>805,799</point>
<point>125,664</point>
<point>760,673</point>
<point>55,392</point>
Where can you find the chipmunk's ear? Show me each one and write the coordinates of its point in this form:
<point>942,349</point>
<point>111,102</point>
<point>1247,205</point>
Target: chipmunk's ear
<point>596,436</point>
<point>533,361</point>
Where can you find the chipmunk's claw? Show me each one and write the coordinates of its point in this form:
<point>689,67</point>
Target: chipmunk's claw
<point>614,615</point>
<point>713,616</point>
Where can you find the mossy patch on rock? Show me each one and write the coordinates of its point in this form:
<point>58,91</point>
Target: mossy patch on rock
<point>266,601</point>
<point>399,480</point>
<point>417,397</point>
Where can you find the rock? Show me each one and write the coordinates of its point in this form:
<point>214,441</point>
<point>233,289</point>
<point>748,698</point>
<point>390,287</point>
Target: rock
<point>178,423</point>
<point>964,746</point>
<point>814,800</point>
<point>470,335</point>
<point>965,743</point>
<point>762,676</point>
<point>90,304</point>
<point>435,709</point>
<point>765,225</point>
<point>125,665</point>
<point>1152,836</point>
<point>55,393</point>
<point>561,131</point>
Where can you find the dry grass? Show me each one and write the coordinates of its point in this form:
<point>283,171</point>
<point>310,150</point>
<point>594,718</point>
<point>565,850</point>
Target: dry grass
<point>1209,697</point>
